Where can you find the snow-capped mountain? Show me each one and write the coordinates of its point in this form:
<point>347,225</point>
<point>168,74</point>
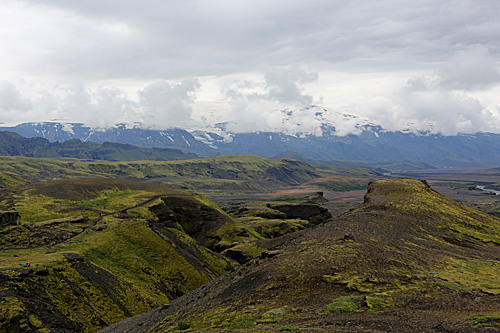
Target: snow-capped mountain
<point>312,134</point>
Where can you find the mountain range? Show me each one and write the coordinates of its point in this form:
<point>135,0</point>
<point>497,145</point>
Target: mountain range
<point>313,134</point>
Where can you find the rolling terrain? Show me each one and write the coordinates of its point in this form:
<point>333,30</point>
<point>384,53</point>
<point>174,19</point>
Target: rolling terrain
<point>225,172</point>
<point>126,245</point>
<point>103,249</point>
<point>408,259</point>
<point>98,253</point>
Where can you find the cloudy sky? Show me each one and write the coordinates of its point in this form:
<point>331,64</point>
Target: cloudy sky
<point>425,64</point>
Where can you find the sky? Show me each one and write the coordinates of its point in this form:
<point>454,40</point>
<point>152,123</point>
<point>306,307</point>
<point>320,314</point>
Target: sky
<point>426,65</point>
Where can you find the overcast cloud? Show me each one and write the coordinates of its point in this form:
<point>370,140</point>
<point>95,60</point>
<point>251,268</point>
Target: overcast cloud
<point>427,65</point>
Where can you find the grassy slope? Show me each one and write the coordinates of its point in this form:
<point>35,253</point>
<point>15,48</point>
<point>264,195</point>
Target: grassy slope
<point>407,259</point>
<point>237,171</point>
<point>341,178</point>
<point>94,278</point>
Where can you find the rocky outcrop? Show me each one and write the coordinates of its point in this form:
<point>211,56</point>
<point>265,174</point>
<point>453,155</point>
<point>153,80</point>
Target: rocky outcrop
<point>9,218</point>
<point>193,217</point>
<point>311,212</point>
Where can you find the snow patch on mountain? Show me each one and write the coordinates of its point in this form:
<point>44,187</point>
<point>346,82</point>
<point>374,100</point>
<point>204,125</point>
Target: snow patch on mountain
<point>212,134</point>
<point>68,128</point>
<point>300,123</point>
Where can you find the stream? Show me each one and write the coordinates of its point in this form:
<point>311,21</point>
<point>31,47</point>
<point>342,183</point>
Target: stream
<point>488,190</point>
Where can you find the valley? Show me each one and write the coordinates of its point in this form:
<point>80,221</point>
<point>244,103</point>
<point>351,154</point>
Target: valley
<point>244,243</point>
<point>249,166</point>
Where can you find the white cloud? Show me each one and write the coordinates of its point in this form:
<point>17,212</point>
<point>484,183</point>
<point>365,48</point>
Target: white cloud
<point>471,68</point>
<point>11,99</point>
<point>286,85</point>
<point>276,54</point>
<point>257,105</point>
<point>159,105</point>
<point>100,107</point>
<point>167,105</point>
<point>426,103</point>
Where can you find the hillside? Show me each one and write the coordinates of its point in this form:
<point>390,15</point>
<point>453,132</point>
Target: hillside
<point>224,172</point>
<point>12,144</point>
<point>406,260</point>
<point>100,249</point>
<point>99,252</point>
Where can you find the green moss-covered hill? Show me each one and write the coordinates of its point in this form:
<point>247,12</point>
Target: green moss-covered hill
<point>100,251</point>
<point>406,260</point>
<point>224,172</point>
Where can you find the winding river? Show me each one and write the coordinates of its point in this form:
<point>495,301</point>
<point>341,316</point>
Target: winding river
<point>488,190</point>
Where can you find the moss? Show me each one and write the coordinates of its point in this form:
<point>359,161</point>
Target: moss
<point>183,325</point>
<point>343,304</point>
<point>271,228</point>
<point>68,291</point>
<point>146,265</point>
<point>471,275</point>
<point>10,309</point>
<point>35,321</point>
<point>376,304</point>
<point>10,180</point>
<point>236,169</point>
<point>272,316</point>
<point>288,328</point>
<point>344,185</point>
<point>334,278</point>
<point>132,250</point>
<point>242,322</point>
<point>484,319</point>
<point>454,286</point>
<point>244,251</point>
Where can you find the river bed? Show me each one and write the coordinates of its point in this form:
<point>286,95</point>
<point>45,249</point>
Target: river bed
<point>488,190</point>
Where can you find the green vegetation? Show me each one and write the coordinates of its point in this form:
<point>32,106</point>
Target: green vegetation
<point>248,173</point>
<point>405,250</point>
<point>183,325</point>
<point>341,179</point>
<point>343,304</point>
<point>244,251</point>
<point>344,185</point>
<point>111,261</point>
<point>105,249</point>
<point>243,322</point>
<point>376,304</point>
<point>485,319</point>
<point>288,328</point>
